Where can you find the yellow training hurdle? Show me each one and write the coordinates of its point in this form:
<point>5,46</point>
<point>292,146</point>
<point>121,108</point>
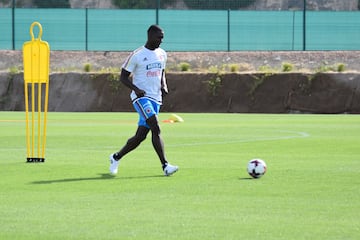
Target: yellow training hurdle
<point>36,59</point>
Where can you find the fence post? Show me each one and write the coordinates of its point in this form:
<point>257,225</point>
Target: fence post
<point>304,26</point>
<point>157,11</point>
<point>228,29</point>
<point>86,29</point>
<point>13,24</point>
<point>293,31</point>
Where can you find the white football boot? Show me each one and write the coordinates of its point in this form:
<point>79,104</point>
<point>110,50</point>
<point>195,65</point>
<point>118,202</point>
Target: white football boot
<point>113,165</point>
<point>170,169</point>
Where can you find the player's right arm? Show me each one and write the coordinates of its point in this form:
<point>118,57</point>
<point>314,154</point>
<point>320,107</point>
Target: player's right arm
<point>125,79</point>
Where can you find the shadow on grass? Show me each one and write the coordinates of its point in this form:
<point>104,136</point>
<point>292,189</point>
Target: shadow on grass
<point>247,178</point>
<point>102,176</point>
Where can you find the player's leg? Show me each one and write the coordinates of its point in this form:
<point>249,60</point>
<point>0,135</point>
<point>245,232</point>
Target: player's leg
<point>141,107</point>
<point>156,139</point>
<point>148,111</point>
<point>130,145</point>
<point>132,142</point>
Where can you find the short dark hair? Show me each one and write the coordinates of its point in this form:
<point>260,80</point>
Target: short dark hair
<point>153,28</point>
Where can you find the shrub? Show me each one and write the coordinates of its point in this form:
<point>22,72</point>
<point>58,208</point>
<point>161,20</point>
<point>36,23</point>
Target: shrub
<point>341,67</point>
<point>87,67</point>
<point>266,69</point>
<point>234,67</point>
<point>184,66</point>
<point>287,67</point>
<point>214,84</point>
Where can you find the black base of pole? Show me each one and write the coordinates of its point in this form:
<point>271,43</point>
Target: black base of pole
<point>35,160</point>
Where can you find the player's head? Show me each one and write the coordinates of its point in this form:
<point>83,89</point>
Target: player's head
<point>154,37</point>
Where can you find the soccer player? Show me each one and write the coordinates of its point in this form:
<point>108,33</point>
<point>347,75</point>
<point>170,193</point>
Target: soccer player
<point>147,67</point>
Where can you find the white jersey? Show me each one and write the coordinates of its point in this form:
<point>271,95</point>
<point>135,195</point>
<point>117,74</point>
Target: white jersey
<point>146,67</point>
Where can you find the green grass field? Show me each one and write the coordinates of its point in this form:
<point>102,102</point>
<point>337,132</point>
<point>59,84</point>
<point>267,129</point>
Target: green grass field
<point>311,189</point>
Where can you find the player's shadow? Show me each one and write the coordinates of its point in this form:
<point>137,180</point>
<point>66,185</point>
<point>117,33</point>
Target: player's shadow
<point>102,176</point>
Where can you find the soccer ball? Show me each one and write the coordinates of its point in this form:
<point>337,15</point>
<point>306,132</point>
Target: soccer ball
<point>256,168</point>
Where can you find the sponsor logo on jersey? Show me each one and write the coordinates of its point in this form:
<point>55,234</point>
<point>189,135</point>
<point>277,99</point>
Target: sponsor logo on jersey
<point>153,65</point>
<point>156,73</point>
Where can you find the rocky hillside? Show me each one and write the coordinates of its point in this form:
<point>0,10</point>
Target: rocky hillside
<point>334,5</point>
<point>337,5</point>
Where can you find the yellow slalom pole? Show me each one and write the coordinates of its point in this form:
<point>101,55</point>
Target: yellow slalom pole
<point>27,120</point>
<point>39,118</point>
<point>45,117</point>
<point>32,119</point>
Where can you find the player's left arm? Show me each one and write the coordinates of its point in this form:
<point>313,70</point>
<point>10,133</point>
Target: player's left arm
<point>164,87</point>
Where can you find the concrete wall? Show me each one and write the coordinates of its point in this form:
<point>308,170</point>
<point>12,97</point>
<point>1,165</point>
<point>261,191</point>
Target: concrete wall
<point>198,92</point>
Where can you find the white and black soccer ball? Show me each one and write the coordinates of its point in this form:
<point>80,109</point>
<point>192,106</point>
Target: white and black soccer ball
<point>256,168</point>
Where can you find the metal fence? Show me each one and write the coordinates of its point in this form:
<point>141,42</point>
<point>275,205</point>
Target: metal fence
<point>192,26</point>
